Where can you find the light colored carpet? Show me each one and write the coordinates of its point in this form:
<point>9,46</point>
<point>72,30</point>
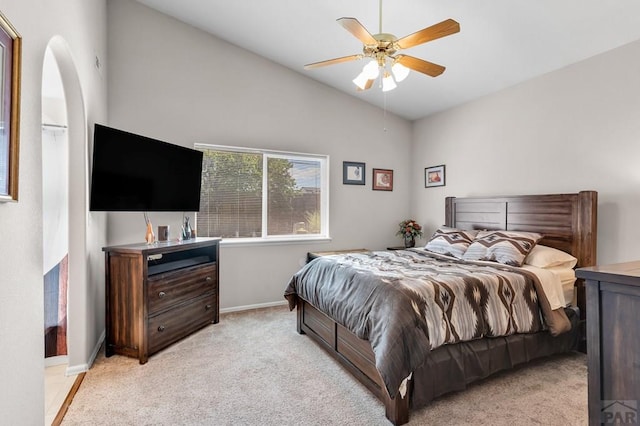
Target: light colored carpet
<point>251,368</point>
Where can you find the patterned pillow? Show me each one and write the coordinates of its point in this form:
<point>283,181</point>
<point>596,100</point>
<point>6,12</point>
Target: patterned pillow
<point>450,241</point>
<point>508,247</point>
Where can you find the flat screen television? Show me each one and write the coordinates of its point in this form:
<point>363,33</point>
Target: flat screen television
<point>136,173</point>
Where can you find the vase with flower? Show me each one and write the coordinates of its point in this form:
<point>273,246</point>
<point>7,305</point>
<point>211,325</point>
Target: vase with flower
<point>409,230</point>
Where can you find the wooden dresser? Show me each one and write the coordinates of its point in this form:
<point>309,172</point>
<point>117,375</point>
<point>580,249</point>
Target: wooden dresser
<point>158,294</point>
<point>613,341</point>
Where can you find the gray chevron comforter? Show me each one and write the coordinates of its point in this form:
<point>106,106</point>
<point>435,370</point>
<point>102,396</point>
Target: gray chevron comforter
<point>409,302</point>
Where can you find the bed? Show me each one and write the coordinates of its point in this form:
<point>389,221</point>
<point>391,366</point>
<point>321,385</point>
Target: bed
<point>567,222</point>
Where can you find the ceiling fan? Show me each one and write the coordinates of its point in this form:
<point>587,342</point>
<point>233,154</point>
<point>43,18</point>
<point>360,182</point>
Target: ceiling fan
<point>382,49</point>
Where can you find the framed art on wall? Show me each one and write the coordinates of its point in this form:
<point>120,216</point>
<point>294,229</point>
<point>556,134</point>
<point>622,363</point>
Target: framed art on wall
<point>10,56</point>
<point>353,173</point>
<point>382,180</point>
<point>434,176</point>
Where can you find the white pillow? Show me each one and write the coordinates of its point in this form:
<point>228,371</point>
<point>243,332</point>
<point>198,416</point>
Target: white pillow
<point>548,257</point>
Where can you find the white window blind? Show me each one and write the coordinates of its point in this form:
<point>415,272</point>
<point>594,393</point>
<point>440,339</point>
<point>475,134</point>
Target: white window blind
<point>260,194</point>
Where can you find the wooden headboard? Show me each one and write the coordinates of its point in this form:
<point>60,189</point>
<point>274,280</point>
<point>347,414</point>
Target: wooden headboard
<point>567,221</point>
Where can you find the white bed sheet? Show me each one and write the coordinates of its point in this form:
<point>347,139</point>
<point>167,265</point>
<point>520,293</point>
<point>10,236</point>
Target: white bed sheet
<point>567,279</point>
<point>551,285</point>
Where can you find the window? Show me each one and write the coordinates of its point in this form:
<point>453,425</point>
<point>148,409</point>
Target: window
<point>262,195</point>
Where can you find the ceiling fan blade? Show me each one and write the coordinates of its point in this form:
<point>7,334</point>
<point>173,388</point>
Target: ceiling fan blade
<point>332,61</point>
<point>358,30</point>
<point>425,67</point>
<point>433,32</point>
<point>367,86</point>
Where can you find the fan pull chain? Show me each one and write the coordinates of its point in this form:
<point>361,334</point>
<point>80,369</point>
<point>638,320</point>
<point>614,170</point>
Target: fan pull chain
<point>384,112</point>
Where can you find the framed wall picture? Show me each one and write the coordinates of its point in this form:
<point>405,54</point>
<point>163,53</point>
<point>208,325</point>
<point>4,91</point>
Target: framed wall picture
<point>10,57</point>
<point>382,180</point>
<point>353,173</point>
<point>434,176</point>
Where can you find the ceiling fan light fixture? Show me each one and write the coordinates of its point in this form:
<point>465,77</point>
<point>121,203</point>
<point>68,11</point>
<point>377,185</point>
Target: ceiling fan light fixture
<point>388,83</point>
<point>361,81</point>
<point>371,70</point>
<point>400,72</point>
<point>381,49</point>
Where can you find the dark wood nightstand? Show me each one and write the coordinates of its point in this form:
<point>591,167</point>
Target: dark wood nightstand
<point>314,254</point>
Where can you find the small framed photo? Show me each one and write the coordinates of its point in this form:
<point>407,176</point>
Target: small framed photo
<point>434,176</point>
<point>353,173</point>
<point>382,180</point>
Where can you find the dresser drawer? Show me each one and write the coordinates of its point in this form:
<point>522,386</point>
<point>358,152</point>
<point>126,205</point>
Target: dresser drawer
<point>169,289</point>
<point>172,325</point>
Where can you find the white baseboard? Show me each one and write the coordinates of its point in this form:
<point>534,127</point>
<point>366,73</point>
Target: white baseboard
<point>56,360</point>
<point>76,369</point>
<point>73,370</point>
<point>256,306</point>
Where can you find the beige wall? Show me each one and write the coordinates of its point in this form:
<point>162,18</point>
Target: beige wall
<point>170,81</point>
<point>574,129</point>
<point>82,26</point>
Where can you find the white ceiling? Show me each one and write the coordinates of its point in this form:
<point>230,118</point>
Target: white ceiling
<point>501,42</point>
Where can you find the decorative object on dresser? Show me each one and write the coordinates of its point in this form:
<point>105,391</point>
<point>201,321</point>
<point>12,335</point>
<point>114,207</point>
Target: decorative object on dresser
<point>567,222</point>
<point>186,228</point>
<point>158,294</point>
<point>163,232</point>
<point>613,341</point>
<point>149,237</point>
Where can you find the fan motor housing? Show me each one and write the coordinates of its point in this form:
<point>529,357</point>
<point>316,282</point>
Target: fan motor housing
<point>386,45</point>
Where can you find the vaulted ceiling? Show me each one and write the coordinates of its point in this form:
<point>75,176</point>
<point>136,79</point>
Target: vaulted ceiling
<point>501,42</point>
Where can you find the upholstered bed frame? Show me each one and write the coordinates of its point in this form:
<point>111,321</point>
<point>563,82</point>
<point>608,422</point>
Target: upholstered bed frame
<point>567,221</point>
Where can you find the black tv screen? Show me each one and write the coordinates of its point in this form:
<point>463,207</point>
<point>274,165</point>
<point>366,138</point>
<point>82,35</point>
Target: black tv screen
<point>136,173</point>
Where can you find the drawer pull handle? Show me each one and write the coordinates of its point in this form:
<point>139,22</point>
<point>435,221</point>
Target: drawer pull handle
<point>209,279</point>
<point>208,307</point>
<point>161,328</point>
<point>162,294</point>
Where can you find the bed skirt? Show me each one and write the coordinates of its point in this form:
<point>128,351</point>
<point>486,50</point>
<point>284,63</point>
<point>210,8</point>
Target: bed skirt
<point>446,369</point>
<point>452,368</point>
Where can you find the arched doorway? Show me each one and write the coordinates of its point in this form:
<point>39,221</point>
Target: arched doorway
<point>55,211</point>
<point>65,161</point>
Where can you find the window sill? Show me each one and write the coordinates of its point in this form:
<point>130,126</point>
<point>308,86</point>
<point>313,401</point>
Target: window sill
<point>238,242</point>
